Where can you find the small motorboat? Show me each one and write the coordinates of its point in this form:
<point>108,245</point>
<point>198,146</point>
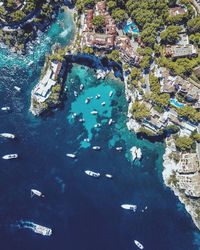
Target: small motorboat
<point>129,207</point>
<point>119,149</point>
<point>81,120</point>
<point>96,148</point>
<point>94,112</point>
<point>86,140</point>
<point>7,135</point>
<point>97,96</point>
<point>111,93</point>
<point>73,156</point>
<point>103,103</point>
<point>36,192</point>
<point>81,87</point>
<point>97,125</point>
<point>17,88</point>
<point>109,176</point>
<point>5,108</point>
<point>93,174</point>
<point>74,115</point>
<point>75,93</point>
<point>10,156</point>
<point>138,244</point>
<point>87,100</point>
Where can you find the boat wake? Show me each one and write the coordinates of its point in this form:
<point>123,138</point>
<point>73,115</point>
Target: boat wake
<point>45,231</point>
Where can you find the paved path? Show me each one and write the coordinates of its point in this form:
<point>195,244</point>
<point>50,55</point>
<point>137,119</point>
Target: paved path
<point>196,5</point>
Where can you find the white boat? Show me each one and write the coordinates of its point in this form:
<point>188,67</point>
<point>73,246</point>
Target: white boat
<point>108,176</point>
<point>5,108</point>
<point>42,230</point>
<point>81,120</point>
<point>138,244</point>
<point>45,231</point>
<point>94,112</point>
<point>71,156</point>
<point>10,156</point>
<point>129,207</point>
<point>110,122</point>
<point>103,103</point>
<point>74,115</point>
<point>111,93</point>
<point>139,153</point>
<point>75,93</point>
<point>133,151</point>
<point>7,135</point>
<point>119,149</point>
<point>87,100</point>
<point>97,125</point>
<point>97,96</point>
<point>96,147</point>
<point>17,88</point>
<point>36,192</point>
<point>81,87</point>
<point>86,140</point>
<point>93,174</point>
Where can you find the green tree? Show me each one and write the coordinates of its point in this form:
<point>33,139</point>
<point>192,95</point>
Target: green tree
<point>98,22</point>
<point>184,143</point>
<point>170,35</point>
<point>139,111</point>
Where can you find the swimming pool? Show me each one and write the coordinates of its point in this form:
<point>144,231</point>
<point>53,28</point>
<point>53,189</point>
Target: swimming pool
<point>176,103</point>
<point>131,28</point>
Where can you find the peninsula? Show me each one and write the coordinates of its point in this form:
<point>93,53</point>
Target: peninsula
<point>156,44</point>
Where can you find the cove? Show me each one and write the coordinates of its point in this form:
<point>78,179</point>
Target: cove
<point>84,213</point>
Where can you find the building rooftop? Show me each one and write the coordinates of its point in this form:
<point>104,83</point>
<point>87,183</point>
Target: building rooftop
<point>177,11</point>
<point>188,163</point>
<point>190,183</point>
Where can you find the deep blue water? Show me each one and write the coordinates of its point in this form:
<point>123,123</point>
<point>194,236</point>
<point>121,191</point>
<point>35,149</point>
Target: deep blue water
<point>83,212</point>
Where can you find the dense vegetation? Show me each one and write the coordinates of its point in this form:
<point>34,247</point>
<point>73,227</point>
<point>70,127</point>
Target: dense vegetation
<point>14,15</point>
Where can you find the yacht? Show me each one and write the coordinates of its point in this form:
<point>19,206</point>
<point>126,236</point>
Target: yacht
<point>45,231</point>
<point>10,156</point>
<point>5,108</point>
<point>139,153</point>
<point>94,112</point>
<point>42,230</point>
<point>96,147</point>
<point>7,135</point>
<point>71,156</point>
<point>138,244</point>
<point>17,88</point>
<point>103,103</point>
<point>133,151</point>
<point>36,192</point>
<point>119,149</point>
<point>111,93</point>
<point>93,174</point>
<point>129,207</point>
<point>110,122</point>
<point>108,176</point>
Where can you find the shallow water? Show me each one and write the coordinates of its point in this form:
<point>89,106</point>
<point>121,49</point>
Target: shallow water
<point>83,212</point>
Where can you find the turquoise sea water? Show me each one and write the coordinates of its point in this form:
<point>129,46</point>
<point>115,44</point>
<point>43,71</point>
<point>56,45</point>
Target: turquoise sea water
<point>83,212</point>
